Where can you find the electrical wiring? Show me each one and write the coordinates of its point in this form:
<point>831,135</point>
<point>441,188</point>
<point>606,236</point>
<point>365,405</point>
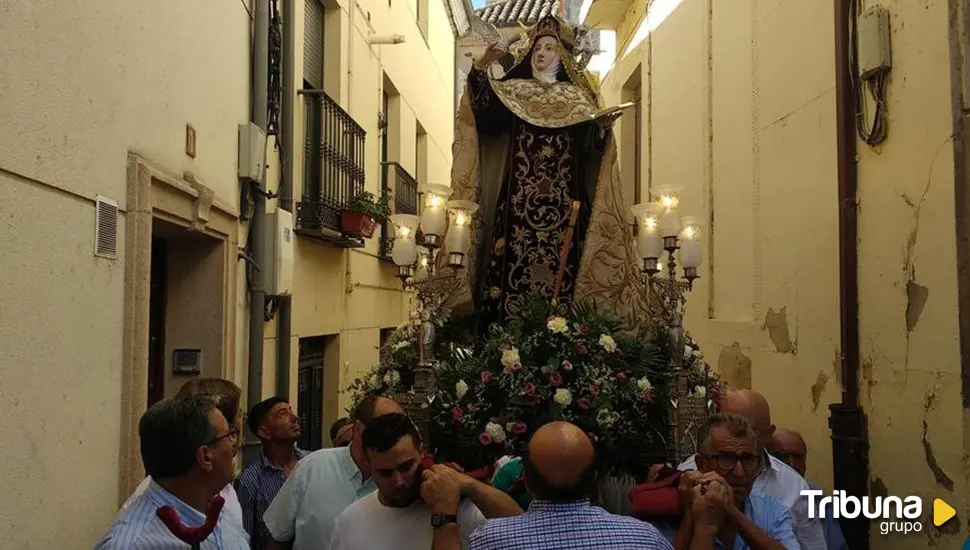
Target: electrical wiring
<point>874,132</point>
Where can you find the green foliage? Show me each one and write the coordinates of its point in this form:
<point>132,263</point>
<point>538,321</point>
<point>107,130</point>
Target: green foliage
<point>365,202</point>
<point>548,363</point>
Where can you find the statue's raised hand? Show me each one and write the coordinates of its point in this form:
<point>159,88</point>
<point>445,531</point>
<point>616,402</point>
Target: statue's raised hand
<point>493,53</point>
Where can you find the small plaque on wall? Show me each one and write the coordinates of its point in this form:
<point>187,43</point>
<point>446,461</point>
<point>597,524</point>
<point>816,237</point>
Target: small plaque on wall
<point>187,361</point>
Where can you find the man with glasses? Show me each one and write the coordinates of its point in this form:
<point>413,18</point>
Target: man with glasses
<point>187,446</point>
<point>720,508</point>
<point>278,428</point>
<point>774,478</point>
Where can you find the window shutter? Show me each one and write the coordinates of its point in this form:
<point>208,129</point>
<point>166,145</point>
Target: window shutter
<point>313,44</point>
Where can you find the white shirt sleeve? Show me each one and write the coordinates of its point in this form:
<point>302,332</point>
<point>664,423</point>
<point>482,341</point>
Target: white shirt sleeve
<point>280,517</point>
<point>469,519</point>
<point>336,540</point>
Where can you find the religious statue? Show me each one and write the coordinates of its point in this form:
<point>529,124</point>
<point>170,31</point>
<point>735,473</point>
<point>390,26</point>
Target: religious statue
<point>534,149</point>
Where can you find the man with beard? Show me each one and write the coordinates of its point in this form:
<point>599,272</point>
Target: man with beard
<point>277,427</point>
<point>397,517</point>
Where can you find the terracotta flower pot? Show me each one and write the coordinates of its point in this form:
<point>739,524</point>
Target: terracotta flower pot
<point>357,224</point>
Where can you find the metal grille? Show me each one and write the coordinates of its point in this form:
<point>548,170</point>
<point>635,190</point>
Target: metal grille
<point>334,162</point>
<point>105,228</point>
<point>309,394</point>
<point>313,43</point>
<point>398,181</point>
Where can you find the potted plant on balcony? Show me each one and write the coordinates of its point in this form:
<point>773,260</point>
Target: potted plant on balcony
<point>362,214</point>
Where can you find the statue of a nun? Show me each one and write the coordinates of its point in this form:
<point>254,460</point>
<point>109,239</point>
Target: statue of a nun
<point>534,149</point>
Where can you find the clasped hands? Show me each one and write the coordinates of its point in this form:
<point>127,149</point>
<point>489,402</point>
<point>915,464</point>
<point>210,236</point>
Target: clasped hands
<point>442,487</point>
<point>707,498</point>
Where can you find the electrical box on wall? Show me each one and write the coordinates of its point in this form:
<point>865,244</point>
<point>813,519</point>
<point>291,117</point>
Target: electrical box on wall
<point>875,55</point>
<point>278,274</point>
<point>252,152</point>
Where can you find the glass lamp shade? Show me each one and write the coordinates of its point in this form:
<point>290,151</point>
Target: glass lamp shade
<point>668,196</point>
<point>404,253</point>
<point>421,268</point>
<point>459,237</point>
<point>690,243</point>
<point>434,218</point>
<point>649,241</point>
<point>405,226</point>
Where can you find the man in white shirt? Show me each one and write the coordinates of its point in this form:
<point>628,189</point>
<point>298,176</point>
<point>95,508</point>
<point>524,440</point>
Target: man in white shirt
<point>323,484</point>
<point>777,479</point>
<point>396,517</point>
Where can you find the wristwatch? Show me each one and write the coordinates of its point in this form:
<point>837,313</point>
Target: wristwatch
<point>440,520</point>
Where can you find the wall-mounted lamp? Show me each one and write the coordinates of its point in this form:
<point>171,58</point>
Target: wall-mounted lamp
<point>386,39</point>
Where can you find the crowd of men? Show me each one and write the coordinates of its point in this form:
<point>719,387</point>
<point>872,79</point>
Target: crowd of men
<point>376,489</point>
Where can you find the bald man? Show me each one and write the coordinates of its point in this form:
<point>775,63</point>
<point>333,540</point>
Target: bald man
<point>789,446</point>
<point>323,484</point>
<point>560,470</point>
<point>776,479</point>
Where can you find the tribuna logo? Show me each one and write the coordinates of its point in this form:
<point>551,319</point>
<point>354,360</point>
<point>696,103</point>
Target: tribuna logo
<point>906,511</point>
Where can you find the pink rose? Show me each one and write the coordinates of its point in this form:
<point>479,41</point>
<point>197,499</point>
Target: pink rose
<point>484,438</point>
<point>567,366</point>
<point>530,389</point>
<point>486,376</point>
<point>621,376</point>
<point>516,367</point>
<point>583,403</point>
<point>647,395</point>
<point>581,349</point>
<point>456,414</point>
<point>555,380</point>
<point>520,428</point>
<point>583,329</point>
<point>594,389</point>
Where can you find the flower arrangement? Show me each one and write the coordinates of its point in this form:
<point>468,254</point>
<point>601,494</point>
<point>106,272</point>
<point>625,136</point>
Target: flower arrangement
<point>546,364</point>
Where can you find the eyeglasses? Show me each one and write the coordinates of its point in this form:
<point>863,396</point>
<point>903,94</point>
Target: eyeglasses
<point>748,462</point>
<point>233,433</point>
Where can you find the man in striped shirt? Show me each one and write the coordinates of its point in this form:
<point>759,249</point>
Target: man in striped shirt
<point>560,466</point>
<point>278,428</point>
<point>187,447</point>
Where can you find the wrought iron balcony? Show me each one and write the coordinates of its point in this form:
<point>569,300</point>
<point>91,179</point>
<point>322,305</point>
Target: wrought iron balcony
<point>333,171</point>
<point>404,188</point>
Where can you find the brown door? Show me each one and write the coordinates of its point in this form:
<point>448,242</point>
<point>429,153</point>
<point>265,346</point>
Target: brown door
<point>156,322</point>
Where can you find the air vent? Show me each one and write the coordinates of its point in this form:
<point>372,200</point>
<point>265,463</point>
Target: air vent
<point>187,361</point>
<point>105,228</point>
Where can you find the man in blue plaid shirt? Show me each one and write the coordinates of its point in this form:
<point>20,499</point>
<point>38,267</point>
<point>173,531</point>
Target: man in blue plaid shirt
<point>560,466</point>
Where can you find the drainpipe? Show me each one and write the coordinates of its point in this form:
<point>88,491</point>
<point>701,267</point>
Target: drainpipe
<point>288,142</point>
<point>847,421</point>
<point>257,230</point>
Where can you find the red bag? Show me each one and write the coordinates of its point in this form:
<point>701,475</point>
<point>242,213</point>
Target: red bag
<point>658,499</point>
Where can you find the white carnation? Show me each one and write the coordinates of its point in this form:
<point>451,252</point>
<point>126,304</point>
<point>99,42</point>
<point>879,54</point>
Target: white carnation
<point>374,382</point>
<point>608,343</point>
<point>510,357</point>
<point>557,324</point>
<point>461,388</point>
<point>563,396</point>
<point>400,345</point>
<point>700,391</point>
<point>392,377</point>
<point>644,384</point>
<point>495,432</point>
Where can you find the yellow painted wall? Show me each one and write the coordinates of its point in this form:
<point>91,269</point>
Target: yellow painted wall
<point>742,113</point>
<point>348,294</point>
<point>82,87</point>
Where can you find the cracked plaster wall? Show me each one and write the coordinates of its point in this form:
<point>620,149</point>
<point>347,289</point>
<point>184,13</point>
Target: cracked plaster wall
<point>743,115</point>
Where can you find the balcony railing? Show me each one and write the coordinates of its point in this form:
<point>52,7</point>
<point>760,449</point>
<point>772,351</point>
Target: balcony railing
<point>397,180</point>
<point>333,168</point>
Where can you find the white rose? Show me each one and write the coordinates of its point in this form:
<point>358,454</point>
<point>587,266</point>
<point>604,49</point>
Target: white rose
<point>461,388</point>
<point>563,396</point>
<point>644,384</point>
<point>375,381</point>
<point>557,324</point>
<point>700,391</point>
<point>509,426</point>
<point>510,357</point>
<point>495,432</point>
<point>608,343</point>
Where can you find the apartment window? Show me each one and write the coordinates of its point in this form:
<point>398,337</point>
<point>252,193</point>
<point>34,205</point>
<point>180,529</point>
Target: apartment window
<point>313,22</point>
